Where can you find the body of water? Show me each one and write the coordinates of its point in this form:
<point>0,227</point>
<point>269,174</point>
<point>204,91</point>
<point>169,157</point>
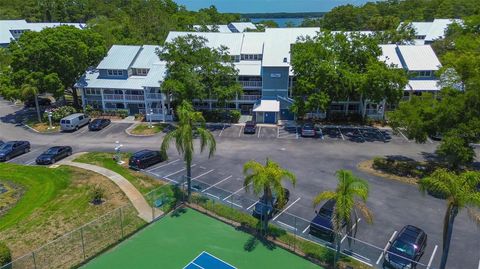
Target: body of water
<point>268,6</point>
<point>280,21</point>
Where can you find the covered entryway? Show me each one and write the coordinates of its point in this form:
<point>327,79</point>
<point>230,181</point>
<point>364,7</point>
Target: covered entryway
<point>266,111</point>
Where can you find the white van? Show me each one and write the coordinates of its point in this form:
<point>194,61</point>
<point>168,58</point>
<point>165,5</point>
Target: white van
<point>74,122</point>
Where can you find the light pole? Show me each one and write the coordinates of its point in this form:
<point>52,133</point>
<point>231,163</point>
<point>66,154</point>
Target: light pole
<point>118,157</point>
<point>150,113</point>
<point>50,120</point>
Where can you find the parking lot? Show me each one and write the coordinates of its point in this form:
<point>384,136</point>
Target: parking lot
<point>324,133</point>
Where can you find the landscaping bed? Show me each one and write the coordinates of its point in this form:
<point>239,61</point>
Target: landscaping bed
<point>142,182</point>
<point>10,194</point>
<point>55,201</point>
<point>144,128</point>
<point>43,127</point>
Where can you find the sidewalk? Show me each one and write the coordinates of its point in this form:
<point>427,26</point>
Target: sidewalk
<point>145,211</point>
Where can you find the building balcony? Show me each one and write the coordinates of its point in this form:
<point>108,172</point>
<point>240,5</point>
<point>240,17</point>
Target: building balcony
<point>253,97</point>
<point>121,97</point>
<point>129,97</point>
<point>113,96</point>
<point>251,84</point>
<point>154,96</point>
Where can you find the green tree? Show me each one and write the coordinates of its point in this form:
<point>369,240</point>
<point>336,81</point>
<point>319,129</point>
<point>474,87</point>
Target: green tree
<point>196,71</point>
<point>63,52</point>
<point>266,181</point>
<point>350,197</point>
<point>461,193</point>
<point>190,124</point>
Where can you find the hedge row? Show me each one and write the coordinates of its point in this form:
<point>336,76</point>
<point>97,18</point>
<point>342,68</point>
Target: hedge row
<point>230,116</point>
<point>404,168</point>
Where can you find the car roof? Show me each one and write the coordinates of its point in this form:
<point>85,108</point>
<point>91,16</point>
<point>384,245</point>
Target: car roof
<point>72,116</point>
<point>410,233</point>
<point>141,152</point>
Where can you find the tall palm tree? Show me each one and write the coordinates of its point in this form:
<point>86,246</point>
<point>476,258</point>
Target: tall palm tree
<point>350,197</point>
<point>460,192</point>
<point>266,180</point>
<point>28,90</point>
<point>191,124</point>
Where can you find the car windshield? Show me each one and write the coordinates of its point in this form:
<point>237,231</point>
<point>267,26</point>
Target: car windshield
<point>5,146</point>
<point>51,151</point>
<point>404,248</point>
<point>308,127</point>
<point>325,212</point>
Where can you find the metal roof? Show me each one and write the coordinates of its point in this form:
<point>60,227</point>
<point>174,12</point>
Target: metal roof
<point>390,56</point>
<point>147,57</point>
<point>243,26</point>
<point>252,43</point>
<point>423,85</point>
<point>155,75</point>
<point>233,41</point>
<point>438,28</point>
<point>249,68</point>
<point>419,58</point>
<point>119,57</point>
<point>267,106</point>
<point>9,25</point>
<point>91,80</point>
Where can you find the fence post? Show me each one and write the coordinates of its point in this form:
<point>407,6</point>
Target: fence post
<point>121,221</point>
<point>34,260</point>
<point>83,243</point>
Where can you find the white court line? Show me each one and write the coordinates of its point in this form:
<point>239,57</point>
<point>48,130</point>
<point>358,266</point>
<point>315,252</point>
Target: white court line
<point>259,129</point>
<point>230,202</point>
<point>248,208</point>
<point>403,135</point>
<point>240,132</point>
<point>306,229</point>
<point>234,193</point>
<point>386,246</point>
<point>220,134</point>
<point>163,165</point>
<point>289,226</point>
<point>217,183</point>
<point>178,171</point>
<point>286,208</point>
<point>353,227</point>
<point>433,255</point>
<point>201,175</point>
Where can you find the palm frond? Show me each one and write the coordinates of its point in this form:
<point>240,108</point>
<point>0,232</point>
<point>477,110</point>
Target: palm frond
<point>323,196</point>
<point>207,139</point>
<point>474,215</point>
<point>365,211</point>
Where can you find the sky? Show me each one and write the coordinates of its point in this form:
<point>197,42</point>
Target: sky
<point>267,6</point>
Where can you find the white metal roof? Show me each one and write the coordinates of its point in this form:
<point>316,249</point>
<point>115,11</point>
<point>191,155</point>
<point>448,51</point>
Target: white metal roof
<point>419,58</point>
<point>252,43</point>
<point>215,39</point>
<point>243,26</point>
<point>8,25</point>
<point>155,76</point>
<point>438,28</point>
<point>421,28</point>
<point>390,56</point>
<point>249,68</point>
<point>91,80</point>
<point>119,57</point>
<point>267,106</point>
<point>147,57</point>
<point>422,85</point>
<point>222,28</point>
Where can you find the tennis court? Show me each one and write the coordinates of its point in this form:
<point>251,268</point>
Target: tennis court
<point>192,240</point>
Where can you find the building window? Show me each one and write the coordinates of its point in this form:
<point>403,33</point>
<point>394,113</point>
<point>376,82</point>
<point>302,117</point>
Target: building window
<point>115,73</point>
<point>92,92</point>
<point>423,74</point>
<point>140,71</point>
<point>236,58</point>
<point>251,57</point>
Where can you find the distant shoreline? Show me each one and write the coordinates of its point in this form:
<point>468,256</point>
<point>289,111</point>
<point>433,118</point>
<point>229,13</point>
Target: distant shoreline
<point>281,15</point>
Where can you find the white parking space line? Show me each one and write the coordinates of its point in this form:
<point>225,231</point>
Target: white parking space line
<point>201,175</point>
<point>306,229</point>
<point>259,130</point>
<point>230,202</point>
<point>278,132</point>
<point>221,132</point>
<point>248,208</point>
<point>403,135</point>
<point>234,193</point>
<point>289,226</point>
<point>479,264</point>
<point>433,256</point>
<point>286,208</point>
<point>353,227</point>
<point>340,131</point>
<point>169,179</point>
<point>214,196</point>
<point>217,183</point>
<point>30,162</point>
<point>240,132</point>
<point>385,248</point>
<point>83,130</point>
<point>429,140</point>
<point>193,165</point>
<point>163,165</point>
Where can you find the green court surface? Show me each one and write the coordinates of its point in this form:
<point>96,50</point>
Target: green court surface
<point>174,241</point>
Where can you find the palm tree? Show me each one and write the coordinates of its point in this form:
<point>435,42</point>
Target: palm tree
<point>28,90</point>
<point>460,192</point>
<point>265,181</point>
<point>350,197</point>
<point>191,124</point>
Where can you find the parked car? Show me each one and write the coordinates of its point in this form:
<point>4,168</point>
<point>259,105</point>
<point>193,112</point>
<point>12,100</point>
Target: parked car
<point>321,226</point>
<point>250,127</point>
<point>406,249</point>
<point>42,101</point>
<point>12,149</point>
<point>145,158</point>
<point>74,122</point>
<point>263,207</point>
<point>308,130</point>
<point>54,154</point>
<point>98,124</point>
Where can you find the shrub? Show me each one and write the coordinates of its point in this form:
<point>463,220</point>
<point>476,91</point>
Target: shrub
<point>59,113</point>
<point>234,116</point>
<point>97,194</point>
<point>5,255</point>
<point>122,113</point>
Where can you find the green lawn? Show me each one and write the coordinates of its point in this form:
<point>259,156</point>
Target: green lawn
<point>176,240</point>
<point>141,181</point>
<point>143,129</point>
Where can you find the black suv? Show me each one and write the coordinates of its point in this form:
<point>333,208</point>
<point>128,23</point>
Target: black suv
<point>145,158</point>
<point>98,124</point>
<point>406,249</point>
<point>12,149</point>
<point>321,226</point>
<point>250,127</point>
<point>263,207</point>
<point>54,154</point>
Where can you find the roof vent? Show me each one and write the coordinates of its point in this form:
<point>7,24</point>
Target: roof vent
<point>285,59</point>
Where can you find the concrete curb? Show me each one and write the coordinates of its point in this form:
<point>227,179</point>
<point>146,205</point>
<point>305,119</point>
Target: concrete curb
<point>131,127</point>
<point>42,133</point>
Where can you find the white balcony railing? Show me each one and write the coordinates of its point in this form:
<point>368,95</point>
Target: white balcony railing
<point>154,96</point>
<point>249,97</point>
<point>134,97</point>
<point>251,84</point>
<point>113,96</point>
<point>154,111</point>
